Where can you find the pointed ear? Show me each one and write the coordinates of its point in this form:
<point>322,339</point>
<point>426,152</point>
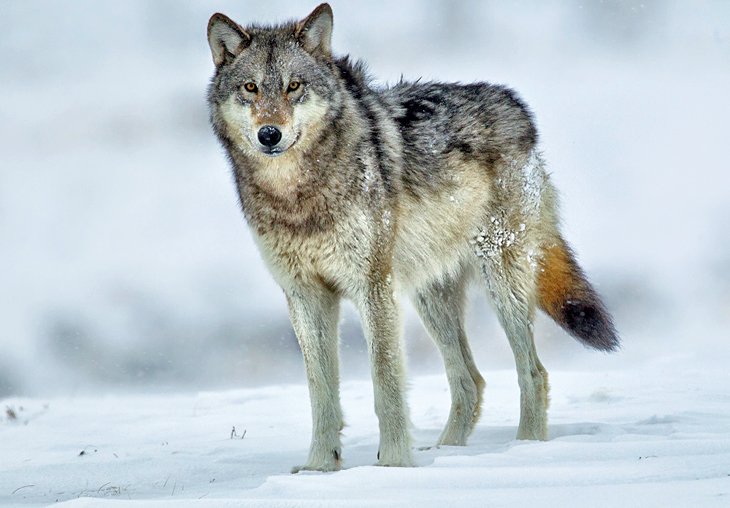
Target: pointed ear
<point>315,31</point>
<point>226,39</point>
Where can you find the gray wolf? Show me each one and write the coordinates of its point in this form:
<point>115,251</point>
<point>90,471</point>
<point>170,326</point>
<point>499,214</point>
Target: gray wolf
<point>355,191</point>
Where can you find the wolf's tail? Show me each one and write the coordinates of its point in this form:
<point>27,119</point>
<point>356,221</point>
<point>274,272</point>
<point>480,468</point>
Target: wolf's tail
<point>565,294</point>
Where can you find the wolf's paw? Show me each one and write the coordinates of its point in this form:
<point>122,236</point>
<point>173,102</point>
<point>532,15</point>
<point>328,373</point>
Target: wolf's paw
<point>454,436</point>
<point>532,434</point>
<point>324,468</point>
<point>451,442</point>
<point>405,462</point>
<point>395,460</point>
<point>332,462</point>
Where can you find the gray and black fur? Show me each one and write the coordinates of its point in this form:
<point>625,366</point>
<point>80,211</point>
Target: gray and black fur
<point>356,192</point>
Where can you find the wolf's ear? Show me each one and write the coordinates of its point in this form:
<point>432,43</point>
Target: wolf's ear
<point>226,39</point>
<point>315,31</point>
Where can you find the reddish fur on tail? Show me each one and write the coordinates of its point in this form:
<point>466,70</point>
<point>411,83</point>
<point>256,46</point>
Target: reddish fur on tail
<point>565,294</point>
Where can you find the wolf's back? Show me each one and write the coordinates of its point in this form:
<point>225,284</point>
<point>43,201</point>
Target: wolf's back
<point>565,294</point>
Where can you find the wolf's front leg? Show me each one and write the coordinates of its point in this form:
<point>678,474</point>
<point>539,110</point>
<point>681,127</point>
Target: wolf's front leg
<point>314,314</point>
<point>381,325</point>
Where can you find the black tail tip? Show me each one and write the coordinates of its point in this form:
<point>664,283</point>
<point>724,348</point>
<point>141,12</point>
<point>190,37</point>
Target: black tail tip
<point>591,324</point>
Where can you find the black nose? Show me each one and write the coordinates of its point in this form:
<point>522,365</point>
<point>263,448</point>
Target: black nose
<point>269,135</point>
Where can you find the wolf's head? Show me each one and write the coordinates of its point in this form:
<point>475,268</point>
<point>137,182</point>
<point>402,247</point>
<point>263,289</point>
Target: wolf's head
<point>273,88</point>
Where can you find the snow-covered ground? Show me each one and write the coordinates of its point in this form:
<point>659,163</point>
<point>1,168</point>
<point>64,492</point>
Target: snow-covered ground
<point>658,435</point>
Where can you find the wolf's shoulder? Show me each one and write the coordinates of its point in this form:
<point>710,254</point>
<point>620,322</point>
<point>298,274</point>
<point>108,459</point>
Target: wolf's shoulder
<point>354,75</point>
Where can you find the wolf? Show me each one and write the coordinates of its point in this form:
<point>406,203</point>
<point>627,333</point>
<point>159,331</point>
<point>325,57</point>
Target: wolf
<point>361,192</point>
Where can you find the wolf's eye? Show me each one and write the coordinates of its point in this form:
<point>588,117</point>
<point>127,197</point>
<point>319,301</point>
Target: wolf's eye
<point>250,87</point>
<point>293,86</point>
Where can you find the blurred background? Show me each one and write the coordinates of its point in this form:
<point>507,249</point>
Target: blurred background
<point>125,263</point>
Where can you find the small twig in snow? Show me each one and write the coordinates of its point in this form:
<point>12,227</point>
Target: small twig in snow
<point>84,452</point>
<point>20,488</point>
<point>234,434</point>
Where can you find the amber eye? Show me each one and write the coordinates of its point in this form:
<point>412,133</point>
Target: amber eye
<point>293,86</point>
<point>250,87</point>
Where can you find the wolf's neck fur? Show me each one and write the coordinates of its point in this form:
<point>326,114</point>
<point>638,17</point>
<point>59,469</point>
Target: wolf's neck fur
<point>296,191</point>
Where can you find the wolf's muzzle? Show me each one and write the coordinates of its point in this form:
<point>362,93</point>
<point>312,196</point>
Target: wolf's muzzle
<point>269,135</point>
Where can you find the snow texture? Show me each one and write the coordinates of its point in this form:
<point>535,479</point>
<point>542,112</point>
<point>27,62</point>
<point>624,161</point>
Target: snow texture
<point>655,436</point>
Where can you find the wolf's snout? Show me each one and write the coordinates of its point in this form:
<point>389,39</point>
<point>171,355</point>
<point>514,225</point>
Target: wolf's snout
<point>269,135</point>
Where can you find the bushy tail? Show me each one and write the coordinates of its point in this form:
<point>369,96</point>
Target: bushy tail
<point>565,295</point>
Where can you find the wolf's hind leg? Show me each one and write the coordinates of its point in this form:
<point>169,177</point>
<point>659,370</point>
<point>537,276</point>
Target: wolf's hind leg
<point>314,314</point>
<point>441,308</point>
<point>512,287</point>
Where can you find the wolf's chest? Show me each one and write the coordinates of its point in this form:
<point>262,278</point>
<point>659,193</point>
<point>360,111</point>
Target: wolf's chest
<point>339,256</point>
